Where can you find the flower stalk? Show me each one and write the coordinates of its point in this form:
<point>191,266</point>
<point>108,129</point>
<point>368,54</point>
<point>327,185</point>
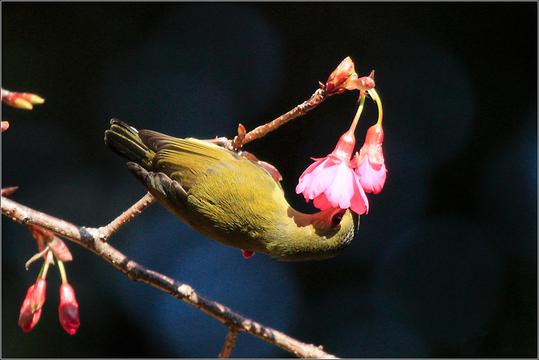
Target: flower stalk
<point>62,271</point>
<point>374,94</point>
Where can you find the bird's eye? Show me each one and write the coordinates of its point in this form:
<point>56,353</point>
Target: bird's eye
<point>336,218</point>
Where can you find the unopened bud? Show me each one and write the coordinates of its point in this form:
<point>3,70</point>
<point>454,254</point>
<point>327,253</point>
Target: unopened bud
<point>21,103</point>
<point>33,98</point>
<point>336,82</point>
<point>32,305</point>
<point>21,100</point>
<point>68,310</point>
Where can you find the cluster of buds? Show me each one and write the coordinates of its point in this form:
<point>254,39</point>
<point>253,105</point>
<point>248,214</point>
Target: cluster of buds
<point>344,77</point>
<point>50,247</point>
<point>342,179</point>
<point>21,100</point>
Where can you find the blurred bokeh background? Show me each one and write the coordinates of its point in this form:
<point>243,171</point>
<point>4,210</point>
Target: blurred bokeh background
<point>445,263</point>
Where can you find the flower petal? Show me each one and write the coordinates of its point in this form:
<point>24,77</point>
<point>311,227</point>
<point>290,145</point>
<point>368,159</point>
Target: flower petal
<point>321,202</point>
<point>359,203</point>
<point>304,179</point>
<point>371,176</point>
<point>341,189</point>
<point>318,180</point>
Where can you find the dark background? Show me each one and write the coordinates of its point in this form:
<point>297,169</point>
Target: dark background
<point>445,262</point>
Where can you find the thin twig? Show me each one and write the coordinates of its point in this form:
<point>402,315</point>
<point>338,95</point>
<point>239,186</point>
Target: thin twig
<point>316,99</point>
<point>243,138</point>
<point>86,238</point>
<point>230,341</point>
<point>105,232</point>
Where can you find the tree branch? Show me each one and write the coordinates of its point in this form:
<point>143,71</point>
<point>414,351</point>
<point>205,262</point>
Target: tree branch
<point>86,237</point>
<point>241,139</point>
<point>105,232</point>
<point>230,341</point>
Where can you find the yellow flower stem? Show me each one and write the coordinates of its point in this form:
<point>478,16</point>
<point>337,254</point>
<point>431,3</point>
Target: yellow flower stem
<point>62,270</point>
<point>358,113</point>
<point>44,269</point>
<point>378,101</point>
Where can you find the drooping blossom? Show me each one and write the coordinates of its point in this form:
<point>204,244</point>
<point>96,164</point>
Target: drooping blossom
<point>32,305</point>
<point>344,77</point>
<point>68,310</point>
<point>247,254</point>
<point>369,163</point>
<point>21,100</point>
<point>331,182</point>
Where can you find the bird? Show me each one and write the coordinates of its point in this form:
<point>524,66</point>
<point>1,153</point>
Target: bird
<point>228,197</point>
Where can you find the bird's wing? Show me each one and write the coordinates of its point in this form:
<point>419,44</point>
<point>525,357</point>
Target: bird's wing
<point>232,198</point>
<point>160,185</point>
<point>185,160</point>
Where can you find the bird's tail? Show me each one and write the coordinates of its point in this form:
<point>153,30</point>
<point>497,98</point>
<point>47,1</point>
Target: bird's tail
<point>124,140</point>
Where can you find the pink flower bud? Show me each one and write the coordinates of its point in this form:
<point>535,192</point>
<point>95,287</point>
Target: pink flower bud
<point>68,310</point>
<point>5,126</point>
<point>247,254</point>
<point>32,305</point>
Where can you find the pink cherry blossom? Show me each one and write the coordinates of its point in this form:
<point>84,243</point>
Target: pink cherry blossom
<point>369,163</point>
<point>331,181</point>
